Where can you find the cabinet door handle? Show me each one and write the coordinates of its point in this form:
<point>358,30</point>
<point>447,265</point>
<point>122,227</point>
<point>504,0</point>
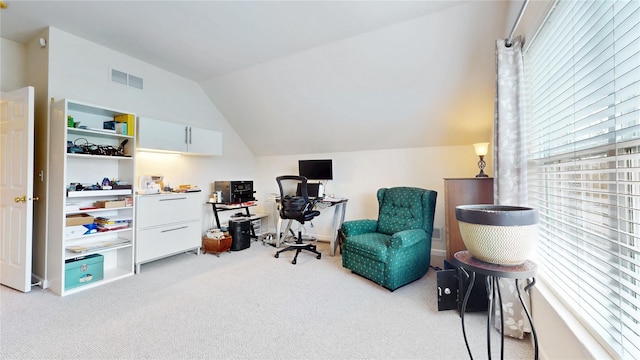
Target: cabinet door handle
<point>189,135</point>
<point>174,229</point>
<point>186,135</point>
<point>182,198</point>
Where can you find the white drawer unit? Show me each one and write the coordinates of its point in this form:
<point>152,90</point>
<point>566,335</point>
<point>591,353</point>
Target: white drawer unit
<point>167,224</point>
<point>163,209</point>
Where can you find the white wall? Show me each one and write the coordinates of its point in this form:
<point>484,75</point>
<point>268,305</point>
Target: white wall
<point>560,334</point>
<point>79,70</point>
<point>13,56</point>
<point>37,73</point>
<point>423,73</point>
<point>85,77</point>
<point>358,175</point>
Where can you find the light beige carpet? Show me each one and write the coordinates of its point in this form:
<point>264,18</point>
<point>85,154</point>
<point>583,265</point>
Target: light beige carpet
<point>242,305</point>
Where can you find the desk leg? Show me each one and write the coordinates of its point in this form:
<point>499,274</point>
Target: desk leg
<point>252,230</point>
<point>215,215</point>
<point>464,308</point>
<point>526,311</point>
<point>338,219</point>
<point>278,226</point>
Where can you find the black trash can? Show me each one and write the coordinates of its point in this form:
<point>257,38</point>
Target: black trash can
<point>240,231</point>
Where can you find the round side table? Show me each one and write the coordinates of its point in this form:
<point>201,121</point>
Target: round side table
<point>472,266</point>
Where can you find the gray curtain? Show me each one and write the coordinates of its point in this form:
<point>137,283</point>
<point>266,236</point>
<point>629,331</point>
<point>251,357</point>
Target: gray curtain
<point>510,181</point>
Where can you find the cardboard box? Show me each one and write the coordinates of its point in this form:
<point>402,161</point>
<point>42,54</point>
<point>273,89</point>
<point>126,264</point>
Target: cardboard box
<point>109,204</point>
<point>129,120</point>
<point>83,271</point>
<point>79,219</point>
<point>121,128</point>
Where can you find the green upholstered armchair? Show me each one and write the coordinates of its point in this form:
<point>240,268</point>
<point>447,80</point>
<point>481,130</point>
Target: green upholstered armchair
<point>395,249</point>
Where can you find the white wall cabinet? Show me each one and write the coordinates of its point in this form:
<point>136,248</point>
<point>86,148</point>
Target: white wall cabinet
<point>64,245</point>
<point>160,135</point>
<point>167,224</point>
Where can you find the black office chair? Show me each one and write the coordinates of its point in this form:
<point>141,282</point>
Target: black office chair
<point>296,205</point>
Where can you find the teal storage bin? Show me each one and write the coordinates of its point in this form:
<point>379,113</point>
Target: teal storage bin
<point>83,271</point>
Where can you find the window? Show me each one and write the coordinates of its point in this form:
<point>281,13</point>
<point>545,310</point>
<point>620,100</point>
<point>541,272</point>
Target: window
<point>583,94</point>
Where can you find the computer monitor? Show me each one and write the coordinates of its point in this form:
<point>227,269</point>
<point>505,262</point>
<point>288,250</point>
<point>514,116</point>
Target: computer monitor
<point>313,190</point>
<point>316,169</point>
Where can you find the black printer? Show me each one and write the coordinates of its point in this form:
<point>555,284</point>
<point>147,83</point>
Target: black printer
<point>234,192</point>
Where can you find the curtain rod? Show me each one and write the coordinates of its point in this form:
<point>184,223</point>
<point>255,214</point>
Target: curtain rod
<point>508,41</point>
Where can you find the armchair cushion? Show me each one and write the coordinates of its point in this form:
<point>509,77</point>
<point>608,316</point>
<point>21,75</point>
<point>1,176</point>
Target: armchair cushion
<point>407,238</point>
<point>371,245</point>
<point>357,227</point>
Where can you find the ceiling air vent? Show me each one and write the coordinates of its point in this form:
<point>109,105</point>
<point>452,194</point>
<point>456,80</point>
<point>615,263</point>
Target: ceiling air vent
<point>121,77</point>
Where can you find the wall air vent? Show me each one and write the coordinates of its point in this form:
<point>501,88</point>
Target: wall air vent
<point>437,233</point>
<point>122,78</point>
<point>135,82</point>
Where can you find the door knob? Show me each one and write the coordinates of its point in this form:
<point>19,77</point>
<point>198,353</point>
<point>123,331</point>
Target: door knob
<point>36,198</point>
<point>22,199</point>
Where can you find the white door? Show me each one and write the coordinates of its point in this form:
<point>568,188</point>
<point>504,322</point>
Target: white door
<point>16,187</point>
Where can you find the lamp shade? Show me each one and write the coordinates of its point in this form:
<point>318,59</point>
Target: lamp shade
<point>481,148</point>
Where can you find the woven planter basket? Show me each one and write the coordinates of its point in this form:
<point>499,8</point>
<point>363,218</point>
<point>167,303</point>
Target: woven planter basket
<point>498,234</point>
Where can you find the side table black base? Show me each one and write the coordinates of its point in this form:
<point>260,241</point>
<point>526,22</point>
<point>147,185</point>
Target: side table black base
<point>470,266</point>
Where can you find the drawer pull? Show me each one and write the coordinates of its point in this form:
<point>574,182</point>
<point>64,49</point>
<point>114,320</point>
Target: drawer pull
<point>182,198</point>
<point>174,229</point>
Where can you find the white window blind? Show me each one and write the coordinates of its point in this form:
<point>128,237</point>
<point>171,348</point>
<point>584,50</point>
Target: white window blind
<point>583,76</point>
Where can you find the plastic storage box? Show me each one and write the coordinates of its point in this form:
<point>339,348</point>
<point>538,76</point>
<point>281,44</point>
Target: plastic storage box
<point>83,271</point>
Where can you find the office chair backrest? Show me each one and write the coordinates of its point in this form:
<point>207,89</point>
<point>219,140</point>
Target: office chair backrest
<point>292,206</point>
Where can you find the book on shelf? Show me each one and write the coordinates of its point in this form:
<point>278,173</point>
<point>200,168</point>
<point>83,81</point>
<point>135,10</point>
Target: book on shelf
<point>113,220</point>
<point>112,227</point>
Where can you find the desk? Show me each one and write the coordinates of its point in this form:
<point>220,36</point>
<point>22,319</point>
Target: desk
<point>226,207</point>
<point>465,261</point>
<point>340,208</point>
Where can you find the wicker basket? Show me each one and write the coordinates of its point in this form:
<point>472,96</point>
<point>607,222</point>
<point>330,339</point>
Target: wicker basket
<point>497,234</point>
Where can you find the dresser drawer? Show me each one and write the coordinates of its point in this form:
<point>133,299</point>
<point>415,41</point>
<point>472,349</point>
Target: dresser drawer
<point>156,210</point>
<point>167,240</point>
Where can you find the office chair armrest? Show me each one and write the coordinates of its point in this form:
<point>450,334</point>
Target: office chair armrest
<point>357,227</point>
<point>407,238</point>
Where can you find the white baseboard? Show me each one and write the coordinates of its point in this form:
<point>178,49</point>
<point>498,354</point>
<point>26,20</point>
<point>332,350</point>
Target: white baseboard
<point>327,238</point>
<point>42,282</point>
<point>438,252</point>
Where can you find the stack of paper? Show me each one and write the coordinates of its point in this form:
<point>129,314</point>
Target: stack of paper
<point>113,223</point>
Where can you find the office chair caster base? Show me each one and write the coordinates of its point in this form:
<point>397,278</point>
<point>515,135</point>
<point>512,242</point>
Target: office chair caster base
<point>319,256</point>
<point>277,255</point>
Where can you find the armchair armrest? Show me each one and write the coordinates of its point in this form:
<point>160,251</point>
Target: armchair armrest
<point>357,227</point>
<point>407,238</point>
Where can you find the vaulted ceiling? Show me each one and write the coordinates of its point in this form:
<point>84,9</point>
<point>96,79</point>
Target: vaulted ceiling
<point>297,77</point>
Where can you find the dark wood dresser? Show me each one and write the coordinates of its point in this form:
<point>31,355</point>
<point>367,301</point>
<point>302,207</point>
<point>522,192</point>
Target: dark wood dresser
<point>462,191</point>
